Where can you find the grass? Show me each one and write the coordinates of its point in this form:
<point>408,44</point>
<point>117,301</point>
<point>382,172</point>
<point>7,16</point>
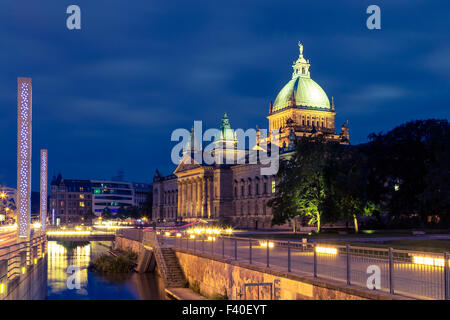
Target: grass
<point>436,246</point>
<point>335,235</point>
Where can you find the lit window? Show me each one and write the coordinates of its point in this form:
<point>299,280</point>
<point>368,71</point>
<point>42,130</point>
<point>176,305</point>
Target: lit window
<point>81,196</point>
<point>81,203</point>
<point>273,186</point>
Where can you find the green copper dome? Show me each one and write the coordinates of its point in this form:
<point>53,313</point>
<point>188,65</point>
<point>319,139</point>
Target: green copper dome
<point>301,91</point>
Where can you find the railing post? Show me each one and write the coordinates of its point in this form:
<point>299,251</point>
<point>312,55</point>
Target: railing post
<point>267,253</point>
<point>446,285</point>
<point>235,249</point>
<point>348,265</point>
<point>315,261</point>
<point>250,250</point>
<point>223,247</point>
<point>289,256</point>
<point>391,271</point>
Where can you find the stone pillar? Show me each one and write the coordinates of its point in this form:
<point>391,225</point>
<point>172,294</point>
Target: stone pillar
<point>179,193</point>
<point>210,209</point>
<point>199,198</point>
<point>204,198</point>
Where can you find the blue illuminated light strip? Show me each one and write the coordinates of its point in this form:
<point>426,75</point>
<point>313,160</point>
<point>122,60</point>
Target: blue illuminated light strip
<point>24,156</point>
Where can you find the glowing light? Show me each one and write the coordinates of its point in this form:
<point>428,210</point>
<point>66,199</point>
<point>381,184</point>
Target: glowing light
<point>229,230</point>
<point>326,250</point>
<point>44,166</point>
<point>2,288</point>
<point>264,244</point>
<point>429,261</point>
<point>24,105</point>
<point>36,225</point>
<point>178,235</point>
<point>211,238</point>
<point>35,260</point>
<point>167,234</point>
<point>67,233</point>
<point>24,270</point>
<point>192,236</point>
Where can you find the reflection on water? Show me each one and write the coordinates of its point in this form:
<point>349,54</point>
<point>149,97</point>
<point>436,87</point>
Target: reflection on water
<point>94,286</point>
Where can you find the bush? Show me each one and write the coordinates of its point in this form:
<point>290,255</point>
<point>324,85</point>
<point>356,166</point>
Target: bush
<point>111,264</point>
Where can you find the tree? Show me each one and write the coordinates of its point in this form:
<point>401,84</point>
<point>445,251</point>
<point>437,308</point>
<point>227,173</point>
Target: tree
<point>348,184</point>
<point>409,169</point>
<point>107,213</point>
<point>303,185</point>
<point>147,205</point>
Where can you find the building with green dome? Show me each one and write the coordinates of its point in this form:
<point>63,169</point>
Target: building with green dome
<point>303,107</point>
<point>237,194</point>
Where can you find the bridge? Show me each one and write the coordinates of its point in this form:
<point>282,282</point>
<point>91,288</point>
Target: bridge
<point>77,236</point>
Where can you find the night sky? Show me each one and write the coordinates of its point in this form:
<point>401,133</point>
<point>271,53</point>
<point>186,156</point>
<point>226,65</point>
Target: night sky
<point>108,96</point>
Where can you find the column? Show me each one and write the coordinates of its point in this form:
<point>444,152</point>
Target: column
<point>24,105</point>
<point>199,198</point>
<point>179,193</point>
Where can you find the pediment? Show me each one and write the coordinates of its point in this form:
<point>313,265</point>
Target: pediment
<point>187,163</point>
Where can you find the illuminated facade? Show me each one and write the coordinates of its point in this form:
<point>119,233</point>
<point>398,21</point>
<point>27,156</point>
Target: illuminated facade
<point>237,194</point>
<point>24,105</point>
<point>43,202</point>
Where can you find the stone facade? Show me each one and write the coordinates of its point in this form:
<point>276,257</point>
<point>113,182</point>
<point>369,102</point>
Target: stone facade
<point>238,193</point>
<point>219,277</point>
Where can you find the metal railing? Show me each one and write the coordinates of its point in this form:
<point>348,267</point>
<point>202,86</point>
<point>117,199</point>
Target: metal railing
<point>16,258</point>
<point>412,274</point>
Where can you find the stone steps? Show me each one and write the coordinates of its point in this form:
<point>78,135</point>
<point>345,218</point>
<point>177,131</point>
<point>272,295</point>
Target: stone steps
<point>174,276</point>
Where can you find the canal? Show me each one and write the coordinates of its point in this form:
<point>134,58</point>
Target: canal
<point>95,286</point>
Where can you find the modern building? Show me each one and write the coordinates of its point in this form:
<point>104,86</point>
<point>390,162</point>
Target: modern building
<point>238,193</point>
<point>70,199</point>
<point>111,195</point>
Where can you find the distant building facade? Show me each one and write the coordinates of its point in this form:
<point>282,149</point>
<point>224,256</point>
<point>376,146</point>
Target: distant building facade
<point>70,199</point>
<point>238,194</point>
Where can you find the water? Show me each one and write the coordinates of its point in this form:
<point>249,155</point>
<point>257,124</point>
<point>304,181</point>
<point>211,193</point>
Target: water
<point>95,286</point>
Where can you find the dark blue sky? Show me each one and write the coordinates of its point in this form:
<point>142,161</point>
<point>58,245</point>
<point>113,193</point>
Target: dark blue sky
<point>107,97</point>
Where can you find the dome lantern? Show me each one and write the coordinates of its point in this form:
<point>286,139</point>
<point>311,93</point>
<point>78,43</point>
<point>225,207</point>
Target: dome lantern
<point>301,66</point>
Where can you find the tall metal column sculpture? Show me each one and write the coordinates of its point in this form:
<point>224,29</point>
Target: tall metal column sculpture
<point>44,166</point>
<point>24,104</point>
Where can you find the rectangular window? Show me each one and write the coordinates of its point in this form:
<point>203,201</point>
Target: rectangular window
<point>82,204</point>
<point>81,196</point>
<point>265,188</point>
<point>273,186</point>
